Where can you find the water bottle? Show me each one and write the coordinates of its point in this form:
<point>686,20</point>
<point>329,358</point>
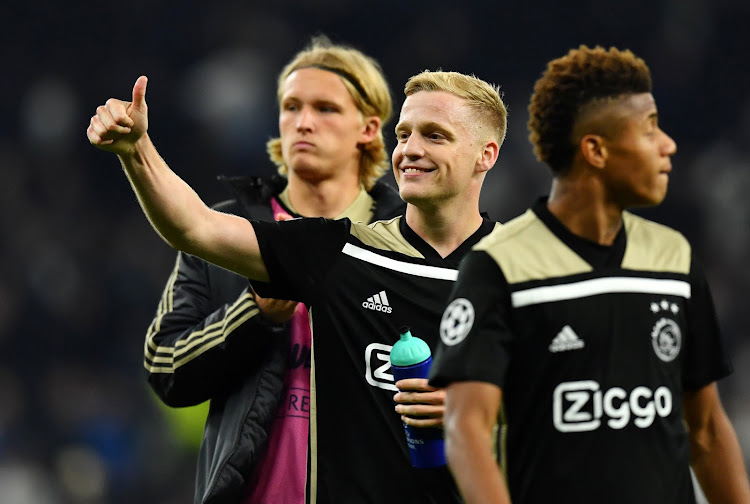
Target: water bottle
<point>411,358</point>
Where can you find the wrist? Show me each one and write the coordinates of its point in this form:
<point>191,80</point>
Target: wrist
<point>137,151</point>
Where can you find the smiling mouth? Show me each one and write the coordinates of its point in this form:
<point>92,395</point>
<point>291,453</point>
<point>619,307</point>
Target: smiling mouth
<point>417,170</point>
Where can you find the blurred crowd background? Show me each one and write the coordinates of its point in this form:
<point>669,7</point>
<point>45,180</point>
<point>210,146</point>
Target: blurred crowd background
<point>82,270</point>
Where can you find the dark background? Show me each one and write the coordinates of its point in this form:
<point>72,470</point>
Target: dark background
<point>82,271</point>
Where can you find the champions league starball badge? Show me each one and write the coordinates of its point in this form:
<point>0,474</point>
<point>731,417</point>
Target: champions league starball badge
<point>666,339</point>
<point>457,321</point>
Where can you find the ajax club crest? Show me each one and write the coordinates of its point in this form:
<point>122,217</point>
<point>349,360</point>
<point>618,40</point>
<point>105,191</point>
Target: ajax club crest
<point>666,337</point>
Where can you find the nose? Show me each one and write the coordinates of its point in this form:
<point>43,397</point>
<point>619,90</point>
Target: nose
<point>412,148</point>
<point>669,146</point>
<point>305,120</point>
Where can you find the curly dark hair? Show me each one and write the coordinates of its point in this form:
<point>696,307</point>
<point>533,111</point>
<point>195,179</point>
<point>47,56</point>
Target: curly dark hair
<point>572,82</point>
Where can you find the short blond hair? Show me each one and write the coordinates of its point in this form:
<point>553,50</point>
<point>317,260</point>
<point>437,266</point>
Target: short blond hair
<point>363,77</point>
<point>483,98</point>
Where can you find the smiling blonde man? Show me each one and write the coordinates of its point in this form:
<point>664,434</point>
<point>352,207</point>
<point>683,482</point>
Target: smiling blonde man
<point>449,134</point>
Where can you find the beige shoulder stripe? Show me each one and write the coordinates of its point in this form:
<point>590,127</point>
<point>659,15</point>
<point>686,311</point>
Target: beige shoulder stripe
<point>525,249</point>
<point>384,235</point>
<point>654,247</point>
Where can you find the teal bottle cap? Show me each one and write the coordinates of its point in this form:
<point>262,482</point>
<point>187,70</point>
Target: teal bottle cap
<point>409,350</point>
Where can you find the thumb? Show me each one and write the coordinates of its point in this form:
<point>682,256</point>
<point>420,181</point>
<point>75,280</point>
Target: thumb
<point>282,216</point>
<point>139,94</point>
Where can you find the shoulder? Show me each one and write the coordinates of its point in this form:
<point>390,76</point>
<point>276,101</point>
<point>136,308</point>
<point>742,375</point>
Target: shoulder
<point>654,247</point>
<point>641,228</point>
<point>384,235</point>
<point>523,229</point>
<point>525,249</point>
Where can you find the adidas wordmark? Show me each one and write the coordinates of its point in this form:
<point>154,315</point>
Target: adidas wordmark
<point>378,302</point>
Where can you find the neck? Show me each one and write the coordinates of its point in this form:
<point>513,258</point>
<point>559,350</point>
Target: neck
<point>323,198</point>
<point>444,228</point>
<point>582,208</point>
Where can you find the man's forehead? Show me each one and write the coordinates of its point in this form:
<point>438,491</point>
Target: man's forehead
<point>426,106</point>
<point>611,114</point>
<point>309,81</point>
<point>642,103</point>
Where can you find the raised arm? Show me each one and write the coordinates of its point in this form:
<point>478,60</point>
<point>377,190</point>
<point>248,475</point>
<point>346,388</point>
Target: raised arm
<point>175,211</point>
<point>715,453</point>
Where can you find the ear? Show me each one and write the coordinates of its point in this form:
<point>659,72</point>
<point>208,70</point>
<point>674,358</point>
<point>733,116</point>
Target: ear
<point>370,128</point>
<point>593,150</point>
<point>488,157</point>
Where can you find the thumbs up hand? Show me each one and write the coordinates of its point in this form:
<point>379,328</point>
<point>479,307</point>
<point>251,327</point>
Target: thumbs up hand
<point>118,125</point>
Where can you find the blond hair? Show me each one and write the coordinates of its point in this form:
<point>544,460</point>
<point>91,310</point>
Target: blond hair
<point>483,98</point>
<point>363,78</point>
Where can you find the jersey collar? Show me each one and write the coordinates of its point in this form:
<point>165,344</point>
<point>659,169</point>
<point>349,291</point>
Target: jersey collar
<point>598,256</point>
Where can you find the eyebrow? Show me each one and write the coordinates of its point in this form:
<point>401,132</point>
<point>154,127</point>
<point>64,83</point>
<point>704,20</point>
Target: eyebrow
<point>653,118</point>
<point>431,125</point>
<point>315,101</point>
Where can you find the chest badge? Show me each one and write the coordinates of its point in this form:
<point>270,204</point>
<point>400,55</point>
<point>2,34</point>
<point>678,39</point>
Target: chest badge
<point>666,336</point>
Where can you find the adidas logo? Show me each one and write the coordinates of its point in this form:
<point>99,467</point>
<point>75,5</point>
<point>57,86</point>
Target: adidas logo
<point>378,302</point>
<point>566,340</point>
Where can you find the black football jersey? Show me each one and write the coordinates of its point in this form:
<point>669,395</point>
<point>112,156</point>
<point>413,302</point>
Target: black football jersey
<point>361,283</point>
<point>593,348</point>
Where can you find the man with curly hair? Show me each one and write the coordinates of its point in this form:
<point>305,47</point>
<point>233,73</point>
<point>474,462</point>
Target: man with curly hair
<point>590,328</point>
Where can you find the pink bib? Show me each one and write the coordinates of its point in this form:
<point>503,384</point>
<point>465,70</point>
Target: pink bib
<point>281,473</point>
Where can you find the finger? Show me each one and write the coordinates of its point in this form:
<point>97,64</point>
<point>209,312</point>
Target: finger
<point>104,134</point>
<point>280,303</point>
<point>422,398</point>
<point>118,110</point>
<point>94,138</point>
<point>92,135</point>
<point>283,216</point>
<point>437,397</point>
<point>417,384</point>
<point>420,411</point>
<point>109,122</point>
<point>139,94</point>
<point>97,127</point>
<point>423,422</point>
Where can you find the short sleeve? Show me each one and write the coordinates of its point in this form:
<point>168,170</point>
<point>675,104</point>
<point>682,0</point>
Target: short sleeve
<point>706,358</point>
<point>475,337</point>
<point>298,254</point>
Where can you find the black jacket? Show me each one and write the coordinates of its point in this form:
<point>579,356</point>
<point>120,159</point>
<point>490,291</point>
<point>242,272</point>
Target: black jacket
<point>209,340</point>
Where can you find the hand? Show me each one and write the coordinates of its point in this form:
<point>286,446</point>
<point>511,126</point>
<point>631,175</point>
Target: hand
<point>118,125</point>
<point>419,404</point>
<point>276,310</point>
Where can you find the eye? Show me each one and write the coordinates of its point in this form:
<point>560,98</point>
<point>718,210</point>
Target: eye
<point>328,108</point>
<point>402,136</point>
<point>436,136</point>
<point>290,107</point>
